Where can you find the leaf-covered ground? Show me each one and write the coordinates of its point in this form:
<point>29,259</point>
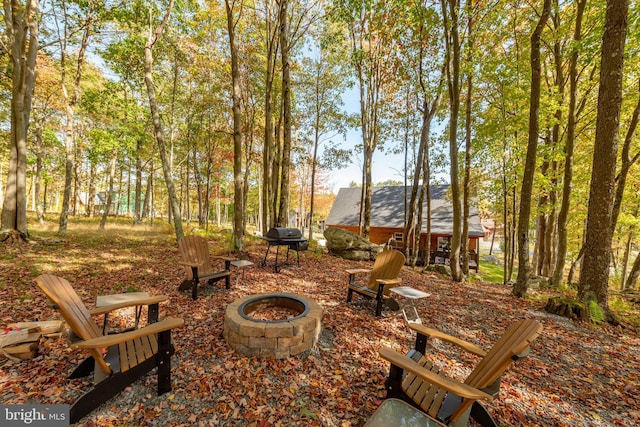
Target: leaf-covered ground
<point>576,374</point>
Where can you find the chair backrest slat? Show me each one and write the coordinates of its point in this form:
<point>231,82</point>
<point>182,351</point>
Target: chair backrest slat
<point>70,305</point>
<point>194,248</point>
<point>515,340</point>
<point>388,264</point>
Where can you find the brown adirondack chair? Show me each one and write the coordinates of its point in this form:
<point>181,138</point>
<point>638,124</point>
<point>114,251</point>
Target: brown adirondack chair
<point>129,356</point>
<point>382,277</point>
<point>447,399</point>
<point>194,251</point>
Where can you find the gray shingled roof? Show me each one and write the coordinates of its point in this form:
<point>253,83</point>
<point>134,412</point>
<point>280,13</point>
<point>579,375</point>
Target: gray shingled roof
<point>387,209</point>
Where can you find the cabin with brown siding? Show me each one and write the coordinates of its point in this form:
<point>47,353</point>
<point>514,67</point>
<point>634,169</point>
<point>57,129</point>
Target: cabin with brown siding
<point>388,217</point>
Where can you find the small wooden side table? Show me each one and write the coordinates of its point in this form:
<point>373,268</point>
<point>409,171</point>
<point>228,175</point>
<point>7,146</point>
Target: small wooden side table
<point>241,265</point>
<point>102,300</point>
<point>411,296</point>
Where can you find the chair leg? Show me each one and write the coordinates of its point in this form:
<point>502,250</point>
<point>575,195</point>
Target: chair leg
<point>153,313</point>
<point>379,307</point>
<point>227,280</point>
<point>108,388</point>
<point>380,300</point>
<point>84,369</point>
<point>394,382</point>
<point>196,280</point>
<point>480,415</point>
<point>421,343</point>
<point>349,294</point>
<point>165,351</point>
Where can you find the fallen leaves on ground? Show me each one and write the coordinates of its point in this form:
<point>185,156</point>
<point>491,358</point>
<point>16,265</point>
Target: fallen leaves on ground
<point>576,374</point>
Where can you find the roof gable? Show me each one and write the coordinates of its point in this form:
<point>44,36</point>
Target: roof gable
<point>388,206</point>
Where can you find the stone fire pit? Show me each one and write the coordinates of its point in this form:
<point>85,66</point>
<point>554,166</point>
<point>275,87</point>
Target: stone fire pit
<point>272,325</point>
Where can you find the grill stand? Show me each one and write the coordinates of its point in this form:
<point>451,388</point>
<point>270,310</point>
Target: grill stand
<point>295,245</point>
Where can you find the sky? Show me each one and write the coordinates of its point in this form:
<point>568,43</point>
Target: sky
<point>384,166</point>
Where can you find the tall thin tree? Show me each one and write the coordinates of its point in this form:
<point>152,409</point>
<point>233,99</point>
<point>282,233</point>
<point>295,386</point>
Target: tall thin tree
<point>153,37</point>
<point>522,281</point>
<point>238,185</point>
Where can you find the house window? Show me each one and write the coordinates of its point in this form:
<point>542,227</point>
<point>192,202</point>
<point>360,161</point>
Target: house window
<point>443,244</point>
<point>398,236</point>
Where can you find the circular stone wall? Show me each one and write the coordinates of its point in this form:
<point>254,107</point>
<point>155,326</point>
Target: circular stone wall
<point>276,339</point>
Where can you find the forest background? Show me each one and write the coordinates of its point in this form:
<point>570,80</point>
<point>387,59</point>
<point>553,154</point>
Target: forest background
<point>232,112</point>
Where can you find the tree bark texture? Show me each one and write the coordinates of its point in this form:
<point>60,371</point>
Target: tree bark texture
<point>561,250</point>
<point>154,36</point>
<point>238,199</point>
<point>70,103</point>
<point>22,39</point>
<point>464,240</point>
<point>283,206</point>
<point>520,288</point>
<point>109,198</point>
<point>450,9</point>
<point>594,275</point>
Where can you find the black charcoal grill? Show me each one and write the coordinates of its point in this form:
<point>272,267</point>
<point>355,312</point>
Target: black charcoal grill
<point>283,236</point>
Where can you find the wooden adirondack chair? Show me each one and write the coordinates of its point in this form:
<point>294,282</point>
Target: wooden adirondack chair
<point>447,399</point>
<point>382,277</point>
<point>194,251</point>
<point>129,356</point>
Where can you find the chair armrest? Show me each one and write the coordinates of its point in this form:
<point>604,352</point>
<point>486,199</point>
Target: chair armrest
<point>387,282</point>
<point>433,333</point>
<point>191,263</point>
<point>358,270</point>
<point>130,303</point>
<point>224,257</point>
<point>456,387</point>
<point>109,340</point>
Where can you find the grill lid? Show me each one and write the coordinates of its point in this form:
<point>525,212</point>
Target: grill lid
<point>283,233</point>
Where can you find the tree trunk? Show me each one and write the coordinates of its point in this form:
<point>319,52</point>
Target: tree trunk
<point>633,275</point>
<point>627,162</point>
<point>238,199</point>
<point>92,190</point>
<point>137,198</point>
<point>39,151</point>
<point>505,215</point>
<point>561,257</point>
<point>452,38</point>
<point>147,206</point>
<point>268,208</point>
<point>153,37</point>
<point>283,208</point>
<point>520,288</point>
<point>109,199</point>
<point>594,276</point>
<point>21,24</point>
<point>625,259</point>
<point>69,104</point>
<point>314,158</point>
<point>467,152</point>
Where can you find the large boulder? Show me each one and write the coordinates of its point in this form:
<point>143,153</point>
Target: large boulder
<point>345,244</point>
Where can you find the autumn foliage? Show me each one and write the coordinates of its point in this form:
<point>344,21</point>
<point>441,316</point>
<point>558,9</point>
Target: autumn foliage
<point>576,374</point>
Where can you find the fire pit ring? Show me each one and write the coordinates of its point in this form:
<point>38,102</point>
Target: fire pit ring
<point>294,304</point>
<point>277,339</point>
